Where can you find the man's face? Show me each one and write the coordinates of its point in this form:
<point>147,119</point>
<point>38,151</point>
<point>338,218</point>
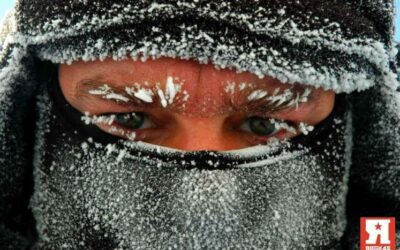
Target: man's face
<point>190,106</point>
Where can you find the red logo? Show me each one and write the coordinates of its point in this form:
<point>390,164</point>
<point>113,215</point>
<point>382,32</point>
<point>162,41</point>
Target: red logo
<point>378,233</point>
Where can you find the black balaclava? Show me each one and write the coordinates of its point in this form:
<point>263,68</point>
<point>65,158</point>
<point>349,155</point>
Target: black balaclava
<point>100,193</point>
<point>92,191</point>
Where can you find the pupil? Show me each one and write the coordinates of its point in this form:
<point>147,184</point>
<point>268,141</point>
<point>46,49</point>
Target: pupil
<point>132,121</point>
<point>261,126</point>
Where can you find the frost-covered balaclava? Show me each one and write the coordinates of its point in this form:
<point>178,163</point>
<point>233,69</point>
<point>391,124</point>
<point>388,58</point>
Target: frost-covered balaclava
<point>92,191</point>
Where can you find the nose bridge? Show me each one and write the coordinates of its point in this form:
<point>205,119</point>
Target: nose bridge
<point>201,134</point>
<point>205,130</point>
<point>198,134</point>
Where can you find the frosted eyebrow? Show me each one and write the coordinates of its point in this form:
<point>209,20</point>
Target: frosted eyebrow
<point>254,102</point>
<point>135,95</point>
<point>261,102</point>
<point>118,95</point>
<point>84,86</point>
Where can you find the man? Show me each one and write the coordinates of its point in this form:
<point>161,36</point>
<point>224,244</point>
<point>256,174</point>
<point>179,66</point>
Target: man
<point>192,124</point>
<point>186,105</point>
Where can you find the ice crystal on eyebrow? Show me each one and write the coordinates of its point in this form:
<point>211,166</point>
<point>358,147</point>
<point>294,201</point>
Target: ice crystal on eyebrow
<point>107,93</point>
<point>230,88</point>
<point>102,90</point>
<point>171,90</point>
<point>117,97</point>
<point>163,100</point>
<point>257,94</point>
<point>145,95</point>
<point>186,96</point>
<point>243,85</point>
<point>278,99</point>
<point>288,95</point>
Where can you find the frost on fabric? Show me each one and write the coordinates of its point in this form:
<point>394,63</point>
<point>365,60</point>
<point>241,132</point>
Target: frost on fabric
<point>16,124</point>
<point>135,195</point>
<point>375,169</point>
<point>305,129</point>
<point>276,40</point>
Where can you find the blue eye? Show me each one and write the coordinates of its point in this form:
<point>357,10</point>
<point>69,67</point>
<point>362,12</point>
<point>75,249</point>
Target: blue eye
<point>133,121</point>
<point>259,126</point>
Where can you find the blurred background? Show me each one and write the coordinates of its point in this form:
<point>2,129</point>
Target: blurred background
<point>6,5</point>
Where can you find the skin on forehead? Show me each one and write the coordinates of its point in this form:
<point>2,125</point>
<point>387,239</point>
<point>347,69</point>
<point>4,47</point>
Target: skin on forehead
<point>210,91</point>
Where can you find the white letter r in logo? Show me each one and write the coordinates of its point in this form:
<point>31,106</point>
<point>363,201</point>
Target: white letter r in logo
<point>376,227</point>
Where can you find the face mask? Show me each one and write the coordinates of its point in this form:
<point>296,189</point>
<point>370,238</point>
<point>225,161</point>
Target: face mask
<point>93,191</point>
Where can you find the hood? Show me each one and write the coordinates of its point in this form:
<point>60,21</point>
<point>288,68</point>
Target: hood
<point>343,46</point>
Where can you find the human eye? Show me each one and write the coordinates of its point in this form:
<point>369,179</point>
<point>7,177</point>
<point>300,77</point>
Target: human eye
<point>133,121</point>
<point>259,126</point>
<point>263,128</point>
<point>132,126</point>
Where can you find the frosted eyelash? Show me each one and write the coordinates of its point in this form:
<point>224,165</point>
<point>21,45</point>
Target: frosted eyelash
<point>93,119</point>
<point>302,127</point>
<point>107,120</point>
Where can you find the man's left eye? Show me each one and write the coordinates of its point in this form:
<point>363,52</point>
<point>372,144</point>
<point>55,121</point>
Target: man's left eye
<point>133,121</point>
<point>260,126</point>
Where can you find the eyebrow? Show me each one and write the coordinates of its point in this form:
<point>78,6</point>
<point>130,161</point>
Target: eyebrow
<point>239,102</point>
<point>266,105</point>
<point>84,87</point>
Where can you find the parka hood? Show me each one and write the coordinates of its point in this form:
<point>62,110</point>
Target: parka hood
<point>338,45</point>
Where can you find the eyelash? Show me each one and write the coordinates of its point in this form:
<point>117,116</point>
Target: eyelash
<point>282,127</point>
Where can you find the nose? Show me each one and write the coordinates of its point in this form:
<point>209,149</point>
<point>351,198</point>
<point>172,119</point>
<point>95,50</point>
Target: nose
<point>193,134</point>
<point>205,130</point>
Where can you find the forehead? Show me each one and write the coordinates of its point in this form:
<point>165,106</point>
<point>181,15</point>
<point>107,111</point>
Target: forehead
<point>203,88</point>
<point>200,77</point>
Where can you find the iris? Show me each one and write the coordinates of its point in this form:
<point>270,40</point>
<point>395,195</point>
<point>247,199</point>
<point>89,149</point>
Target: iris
<point>131,120</point>
<point>261,126</point>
